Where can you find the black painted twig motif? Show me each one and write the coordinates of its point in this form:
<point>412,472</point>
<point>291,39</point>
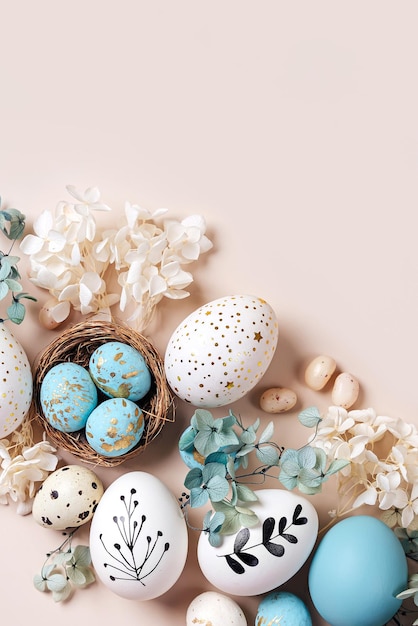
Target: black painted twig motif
<point>276,549</point>
<point>125,563</point>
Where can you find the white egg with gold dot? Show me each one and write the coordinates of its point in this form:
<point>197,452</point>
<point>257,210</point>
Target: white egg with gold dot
<point>221,350</point>
<point>16,382</point>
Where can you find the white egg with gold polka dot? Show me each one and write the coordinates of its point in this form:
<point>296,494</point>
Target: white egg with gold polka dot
<point>221,350</point>
<point>16,383</point>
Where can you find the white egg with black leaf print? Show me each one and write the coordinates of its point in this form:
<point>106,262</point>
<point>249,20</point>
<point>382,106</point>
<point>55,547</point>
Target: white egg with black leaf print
<point>67,498</point>
<point>221,350</point>
<point>256,560</point>
<point>138,537</point>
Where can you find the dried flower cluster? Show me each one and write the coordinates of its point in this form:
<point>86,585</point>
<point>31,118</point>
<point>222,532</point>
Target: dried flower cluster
<point>383,462</point>
<point>22,473</point>
<point>135,264</point>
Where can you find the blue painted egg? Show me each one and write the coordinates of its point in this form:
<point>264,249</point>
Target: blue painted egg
<point>356,572</point>
<point>120,371</point>
<point>114,427</point>
<point>284,608</point>
<point>67,395</point>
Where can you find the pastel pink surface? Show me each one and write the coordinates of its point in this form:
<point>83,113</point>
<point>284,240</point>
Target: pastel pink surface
<point>293,130</point>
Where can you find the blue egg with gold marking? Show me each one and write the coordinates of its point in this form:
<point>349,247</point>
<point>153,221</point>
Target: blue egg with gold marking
<point>120,371</point>
<point>115,427</point>
<point>284,608</point>
<point>67,395</point>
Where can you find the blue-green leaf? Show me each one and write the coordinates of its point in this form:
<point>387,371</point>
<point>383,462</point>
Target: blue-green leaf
<point>310,417</point>
<point>267,455</point>
<point>267,433</point>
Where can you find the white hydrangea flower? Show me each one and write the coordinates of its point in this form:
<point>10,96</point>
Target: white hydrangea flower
<point>20,475</point>
<point>144,255</point>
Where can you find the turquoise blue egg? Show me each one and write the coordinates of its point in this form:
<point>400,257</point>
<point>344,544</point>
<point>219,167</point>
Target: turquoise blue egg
<point>67,395</point>
<point>284,608</point>
<point>356,572</point>
<point>115,427</point>
<point>120,371</point>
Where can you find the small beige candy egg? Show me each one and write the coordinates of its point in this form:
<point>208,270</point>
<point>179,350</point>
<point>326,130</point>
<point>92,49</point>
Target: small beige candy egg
<point>278,400</point>
<point>211,608</point>
<point>53,313</point>
<point>319,371</point>
<point>345,391</point>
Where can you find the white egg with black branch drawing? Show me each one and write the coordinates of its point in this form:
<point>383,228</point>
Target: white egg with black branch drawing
<point>221,350</point>
<point>138,537</point>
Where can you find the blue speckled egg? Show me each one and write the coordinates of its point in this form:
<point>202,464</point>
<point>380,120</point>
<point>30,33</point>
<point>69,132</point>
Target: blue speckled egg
<point>67,395</point>
<point>284,608</point>
<point>356,572</point>
<point>120,371</point>
<point>115,427</point>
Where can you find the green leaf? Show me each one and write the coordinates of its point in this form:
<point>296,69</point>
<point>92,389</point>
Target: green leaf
<point>186,440</point>
<point>245,494</point>
<point>307,457</point>
<point>76,575</point>
<point>16,312</point>
<point>4,289</point>
<point>62,594</point>
<point>337,465</point>
<point>218,488</point>
<point>194,478</point>
<point>267,455</point>
<point>288,480</point>
<point>39,582</point>
<point>5,268</point>
<point>267,433</point>
<point>81,556</point>
<point>310,417</point>
<point>56,582</point>
<point>198,497</point>
<point>13,284</point>
<point>16,219</point>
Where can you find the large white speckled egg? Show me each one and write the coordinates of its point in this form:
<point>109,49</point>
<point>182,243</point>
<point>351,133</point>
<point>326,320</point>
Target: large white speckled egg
<point>120,371</point>
<point>259,559</point>
<point>67,498</point>
<point>68,395</point>
<point>138,537</point>
<point>16,382</point>
<point>221,350</point>
<point>214,609</point>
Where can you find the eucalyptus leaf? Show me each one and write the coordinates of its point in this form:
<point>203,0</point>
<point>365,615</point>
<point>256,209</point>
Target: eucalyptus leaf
<point>16,312</point>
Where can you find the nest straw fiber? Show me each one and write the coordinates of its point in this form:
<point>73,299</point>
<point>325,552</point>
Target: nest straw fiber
<point>76,344</point>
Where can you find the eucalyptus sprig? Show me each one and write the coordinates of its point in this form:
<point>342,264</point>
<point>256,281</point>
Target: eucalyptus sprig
<point>12,225</point>
<point>64,569</point>
<point>218,451</point>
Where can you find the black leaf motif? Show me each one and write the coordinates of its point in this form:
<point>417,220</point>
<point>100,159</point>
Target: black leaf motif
<point>299,521</point>
<point>234,564</point>
<point>274,548</point>
<point>290,538</point>
<point>282,524</point>
<point>248,559</point>
<point>241,539</point>
<point>268,527</point>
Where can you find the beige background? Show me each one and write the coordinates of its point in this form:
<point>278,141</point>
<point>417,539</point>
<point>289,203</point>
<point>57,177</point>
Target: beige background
<point>293,128</point>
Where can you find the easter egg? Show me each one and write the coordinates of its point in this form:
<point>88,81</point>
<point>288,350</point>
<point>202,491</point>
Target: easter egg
<point>16,382</point>
<point>216,609</point>
<point>67,396</point>
<point>356,571</point>
<point>120,371</point>
<point>114,427</point>
<point>67,498</point>
<point>221,350</point>
<point>138,537</point>
<point>258,559</point>
<point>283,607</point>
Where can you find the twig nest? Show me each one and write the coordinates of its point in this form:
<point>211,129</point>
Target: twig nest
<point>76,345</point>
